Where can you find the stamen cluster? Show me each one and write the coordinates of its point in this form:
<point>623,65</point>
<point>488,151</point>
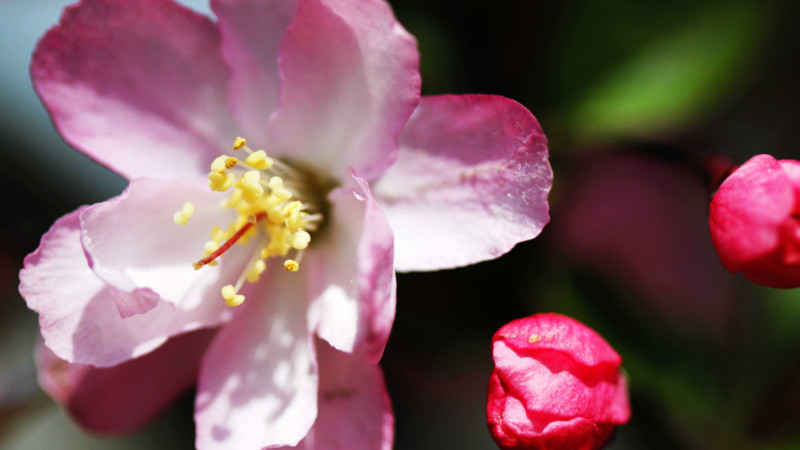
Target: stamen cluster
<point>266,205</point>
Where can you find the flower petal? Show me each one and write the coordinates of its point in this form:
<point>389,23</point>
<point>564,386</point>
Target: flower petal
<point>512,427</point>
<point>252,31</point>
<point>77,315</point>
<point>748,210</point>
<point>125,397</point>
<point>354,409</point>
<point>352,275</point>
<point>258,381</point>
<point>470,182</point>
<point>349,82</point>
<point>133,244</point>
<point>598,394</point>
<point>559,368</point>
<point>138,86</point>
<point>546,332</point>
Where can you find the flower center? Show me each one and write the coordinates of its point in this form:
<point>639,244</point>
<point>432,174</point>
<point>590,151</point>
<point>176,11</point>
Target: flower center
<point>271,200</point>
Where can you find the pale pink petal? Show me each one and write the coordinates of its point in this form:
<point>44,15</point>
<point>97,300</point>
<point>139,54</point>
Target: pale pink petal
<point>252,31</point>
<point>125,397</point>
<point>133,244</point>
<point>354,409</point>
<point>471,181</point>
<point>77,315</point>
<point>258,381</point>
<point>138,86</point>
<point>351,274</point>
<point>349,82</point>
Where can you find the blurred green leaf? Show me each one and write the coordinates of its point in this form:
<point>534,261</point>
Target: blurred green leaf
<point>637,70</point>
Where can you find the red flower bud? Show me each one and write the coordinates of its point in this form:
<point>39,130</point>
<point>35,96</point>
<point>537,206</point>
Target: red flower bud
<point>556,385</point>
<point>754,220</point>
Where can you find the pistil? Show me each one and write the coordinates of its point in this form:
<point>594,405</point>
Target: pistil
<point>264,202</point>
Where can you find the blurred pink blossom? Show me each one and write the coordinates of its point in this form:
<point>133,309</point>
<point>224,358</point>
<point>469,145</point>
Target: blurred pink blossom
<point>649,217</point>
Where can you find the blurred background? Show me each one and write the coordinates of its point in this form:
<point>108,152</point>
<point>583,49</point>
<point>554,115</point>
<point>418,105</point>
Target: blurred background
<point>635,96</point>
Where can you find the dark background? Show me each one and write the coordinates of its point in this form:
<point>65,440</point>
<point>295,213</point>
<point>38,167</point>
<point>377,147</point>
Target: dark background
<point>635,97</point>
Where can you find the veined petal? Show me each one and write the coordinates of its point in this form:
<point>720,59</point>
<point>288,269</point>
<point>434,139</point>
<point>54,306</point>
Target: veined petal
<point>133,244</point>
<point>352,274</point>
<point>471,181</point>
<point>125,397</point>
<point>349,82</point>
<point>258,380</point>
<point>252,31</point>
<point>354,409</point>
<point>77,315</point>
<point>141,86</point>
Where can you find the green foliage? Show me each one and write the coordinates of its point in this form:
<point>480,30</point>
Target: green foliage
<point>630,69</point>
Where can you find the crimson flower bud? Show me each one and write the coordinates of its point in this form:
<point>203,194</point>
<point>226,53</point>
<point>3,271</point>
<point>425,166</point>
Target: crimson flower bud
<point>556,385</point>
<point>754,220</point>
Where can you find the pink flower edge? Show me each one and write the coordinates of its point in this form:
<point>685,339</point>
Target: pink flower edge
<point>478,164</point>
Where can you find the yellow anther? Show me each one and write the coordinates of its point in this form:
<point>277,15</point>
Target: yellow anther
<point>275,183</point>
<point>276,186</point>
<point>220,182</point>
<point>291,208</point>
<point>256,270</point>
<point>275,248</point>
<point>231,297</point>
<point>234,200</point>
<point>219,164</point>
<point>182,217</point>
<point>259,160</point>
<point>299,240</point>
<point>294,222</point>
<point>250,184</point>
<point>239,143</point>
<point>216,177</point>
<point>228,291</point>
<point>291,265</point>
<point>277,243</point>
<point>275,215</point>
<point>217,235</point>
<point>179,218</point>
<point>283,194</point>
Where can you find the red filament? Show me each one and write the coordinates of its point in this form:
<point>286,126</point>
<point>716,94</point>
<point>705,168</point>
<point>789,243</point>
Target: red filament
<point>229,243</point>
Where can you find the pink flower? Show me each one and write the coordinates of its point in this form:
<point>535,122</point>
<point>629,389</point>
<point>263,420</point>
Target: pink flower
<point>556,385</point>
<point>158,93</point>
<point>754,220</point>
